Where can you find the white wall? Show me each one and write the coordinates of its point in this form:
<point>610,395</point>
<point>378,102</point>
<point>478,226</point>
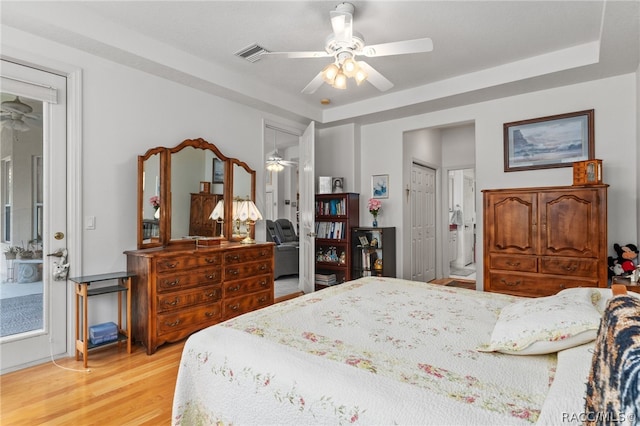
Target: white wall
<point>335,155</point>
<point>615,137</point>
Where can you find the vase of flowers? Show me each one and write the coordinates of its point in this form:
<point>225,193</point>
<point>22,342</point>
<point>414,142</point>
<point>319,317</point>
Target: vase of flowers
<point>374,206</point>
<point>155,202</point>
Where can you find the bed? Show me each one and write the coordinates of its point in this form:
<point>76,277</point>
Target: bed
<point>390,351</point>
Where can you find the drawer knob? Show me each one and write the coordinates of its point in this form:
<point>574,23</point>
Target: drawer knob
<point>570,268</point>
<point>234,307</point>
<point>262,299</point>
<point>263,283</point>
<point>233,271</point>
<point>172,303</point>
<point>234,288</point>
<point>210,260</point>
<point>234,257</point>
<point>209,314</point>
<point>170,265</point>
<point>211,276</point>
<point>212,294</point>
<point>263,267</point>
<point>513,263</point>
<point>173,283</point>
<point>172,324</point>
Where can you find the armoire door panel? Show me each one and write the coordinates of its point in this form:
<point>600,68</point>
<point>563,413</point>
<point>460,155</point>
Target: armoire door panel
<point>577,212</point>
<point>512,224</point>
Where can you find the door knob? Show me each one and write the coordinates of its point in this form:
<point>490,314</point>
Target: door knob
<point>58,235</point>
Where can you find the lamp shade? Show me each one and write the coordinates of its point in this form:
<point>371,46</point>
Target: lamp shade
<point>254,213</point>
<point>218,211</point>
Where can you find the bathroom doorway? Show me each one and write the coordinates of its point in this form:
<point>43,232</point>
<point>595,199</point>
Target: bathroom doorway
<point>462,223</point>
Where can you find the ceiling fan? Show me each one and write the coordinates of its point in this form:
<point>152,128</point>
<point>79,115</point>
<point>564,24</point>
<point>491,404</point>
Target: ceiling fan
<point>345,45</point>
<point>275,162</point>
<point>18,116</point>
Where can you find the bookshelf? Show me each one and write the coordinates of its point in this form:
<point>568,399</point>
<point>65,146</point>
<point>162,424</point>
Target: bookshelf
<point>374,252</point>
<point>335,215</point>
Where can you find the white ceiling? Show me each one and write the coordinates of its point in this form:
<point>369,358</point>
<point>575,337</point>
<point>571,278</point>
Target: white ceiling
<point>482,49</point>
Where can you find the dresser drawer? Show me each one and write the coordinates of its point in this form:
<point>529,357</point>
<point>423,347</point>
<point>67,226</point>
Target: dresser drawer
<point>247,270</point>
<point>534,285</point>
<point>248,255</point>
<point>514,263</point>
<point>179,263</point>
<point>199,317</point>
<point>246,286</point>
<point>184,299</point>
<point>173,282</point>
<point>239,305</point>
<point>569,266</point>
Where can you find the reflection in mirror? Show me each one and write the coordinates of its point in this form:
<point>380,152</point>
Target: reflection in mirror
<point>197,184</point>
<point>151,199</point>
<point>244,180</point>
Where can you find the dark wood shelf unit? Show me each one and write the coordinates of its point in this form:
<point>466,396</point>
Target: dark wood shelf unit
<point>365,255</point>
<point>335,215</point>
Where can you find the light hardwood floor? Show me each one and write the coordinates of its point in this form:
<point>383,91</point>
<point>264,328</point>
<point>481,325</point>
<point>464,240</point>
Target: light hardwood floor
<point>120,389</point>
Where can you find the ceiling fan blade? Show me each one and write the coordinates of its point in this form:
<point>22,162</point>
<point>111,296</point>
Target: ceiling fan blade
<point>313,84</point>
<point>419,45</point>
<point>298,55</point>
<point>379,81</point>
<point>32,121</point>
<point>342,24</point>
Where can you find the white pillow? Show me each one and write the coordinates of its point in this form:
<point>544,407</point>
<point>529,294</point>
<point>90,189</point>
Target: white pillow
<point>546,324</point>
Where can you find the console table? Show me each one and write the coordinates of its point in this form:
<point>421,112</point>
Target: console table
<point>83,292</point>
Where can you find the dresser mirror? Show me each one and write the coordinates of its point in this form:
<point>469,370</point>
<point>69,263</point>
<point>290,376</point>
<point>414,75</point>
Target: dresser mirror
<point>149,178</point>
<point>187,182</point>
<point>244,187</point>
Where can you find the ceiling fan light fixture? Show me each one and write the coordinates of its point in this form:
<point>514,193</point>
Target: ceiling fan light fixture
<point>275,167</point>
<point>350,67</point>
<point>341,81</point>
<point>360,76</point>
<point>330,72</point>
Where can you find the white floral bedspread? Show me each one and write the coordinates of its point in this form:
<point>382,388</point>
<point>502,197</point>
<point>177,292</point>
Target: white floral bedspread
<point>371,351</point>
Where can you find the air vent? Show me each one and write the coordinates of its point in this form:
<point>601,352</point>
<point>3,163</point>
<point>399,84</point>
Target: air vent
<point>251,53</point>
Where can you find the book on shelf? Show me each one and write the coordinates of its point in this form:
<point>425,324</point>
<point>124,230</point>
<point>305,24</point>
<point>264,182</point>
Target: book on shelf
<point>326,279</point>
<point>330,230</point>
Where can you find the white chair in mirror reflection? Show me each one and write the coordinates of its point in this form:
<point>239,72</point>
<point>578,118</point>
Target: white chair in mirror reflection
<point>218,215</point>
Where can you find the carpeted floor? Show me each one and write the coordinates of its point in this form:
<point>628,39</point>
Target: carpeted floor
<point>20,314</point>
<point>286,285</point>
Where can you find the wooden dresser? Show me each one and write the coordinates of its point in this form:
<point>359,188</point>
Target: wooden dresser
<point>177,291</point>
<point>538,241</point>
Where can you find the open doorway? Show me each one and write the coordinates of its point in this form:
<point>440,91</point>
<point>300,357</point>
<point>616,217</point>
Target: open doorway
<point>282,206</point>
<point>462,223</point>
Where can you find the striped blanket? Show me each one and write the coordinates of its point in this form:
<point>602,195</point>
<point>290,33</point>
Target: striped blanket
<point>613,389</point>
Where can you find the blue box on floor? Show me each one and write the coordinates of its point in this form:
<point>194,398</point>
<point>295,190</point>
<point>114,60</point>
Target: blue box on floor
<point>103,333</point>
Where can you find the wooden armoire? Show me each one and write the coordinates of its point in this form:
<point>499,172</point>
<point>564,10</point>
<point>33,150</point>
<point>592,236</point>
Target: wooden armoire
<point>538,241</point>
<point>202,204</point>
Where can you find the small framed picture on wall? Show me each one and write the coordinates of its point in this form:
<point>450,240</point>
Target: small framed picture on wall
<point>380,186</point>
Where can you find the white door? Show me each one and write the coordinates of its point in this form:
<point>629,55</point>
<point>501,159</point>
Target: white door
<point>423,223</point>
<point>469,212</point>
<point>307,214</point>
<point>34,210</point>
